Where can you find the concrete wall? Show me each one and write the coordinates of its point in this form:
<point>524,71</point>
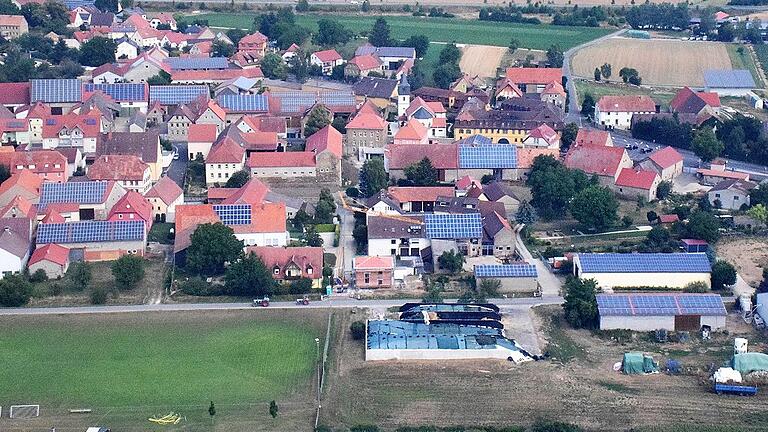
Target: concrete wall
<point>515,285</point>
<point>284,172</point>
<point>650,323</point>
<point>437,354</point>
<point>264,239</point>
<point>671,280</point>
<point>51,269</point>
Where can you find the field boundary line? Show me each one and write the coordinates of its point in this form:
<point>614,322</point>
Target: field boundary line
<point>322,369</point>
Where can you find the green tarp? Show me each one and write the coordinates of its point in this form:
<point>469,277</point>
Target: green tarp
<point>636,363</point>
<point>750,362</point>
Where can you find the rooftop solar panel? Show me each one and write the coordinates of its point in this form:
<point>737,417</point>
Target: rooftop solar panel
<point>454,226</point>
<point>490,156</point>
<point>644,263</point>
<point>90,231</point>
<point>90,192</point>
<point>506,271</point>
<point>660,304</point>
<point>56,90</point>
<point>233,214</point>
<point>175,94</point>
<point>121,92</point>
<point>198,63</point>
<point>244,103</point>
<point>297,101</point>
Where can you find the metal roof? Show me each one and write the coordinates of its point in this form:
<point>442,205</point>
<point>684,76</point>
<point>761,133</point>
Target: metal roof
<point>86,192</point>
<point>90,231</point>
<point>56,90</point>
<point>387,334</point>
<point>644,263</point>
<point>724,78</point>
<point>506,271</point>
<point>175,94</point>
<point>660,304</point>
<point>244,103</point>
<point>198,63</point>
<point>454,226</point>
<point>121,92</point>
<point>490,156</point>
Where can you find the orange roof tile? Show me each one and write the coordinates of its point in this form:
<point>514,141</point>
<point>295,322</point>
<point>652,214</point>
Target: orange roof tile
<point>281,159</point>
<point>626,103</point>
<point>165,189</point>
<point>50,252</point>
<point>205,133</point>
<point>24,179</point>
<point>118,167</point>
<point>253,192</point>
<point>418,193</point>
<point>666,157</point>
<point>133,202</point>
<point>413,130</point>
<point>226,151</point>
<point>373,263</point>
<point>366,120</point>
<point>529,75</point>
<point>327,138</point>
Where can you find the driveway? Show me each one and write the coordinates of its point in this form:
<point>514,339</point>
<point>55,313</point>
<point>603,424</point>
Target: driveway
<point>550,284</point>
<point>178,168</point>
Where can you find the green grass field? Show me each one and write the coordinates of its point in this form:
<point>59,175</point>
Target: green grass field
<point>598,90</point>
<point>744,61</point>
<point>441,29</point>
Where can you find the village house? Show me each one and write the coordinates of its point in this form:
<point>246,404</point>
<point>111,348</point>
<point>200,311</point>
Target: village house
<point>604,162</point>
<point>127,170</point>
<point>326,60</point>
<point>132,206</point>
<point>164,196</point>
<point>144,145</point>
<point>225,158</point>
<point>81,200</point>
<point>615,112</point>
<point>24,184</point>
<point>667,162</point>
<point>287,264</point>
<point>13,26</point>
<point>362,66</point>
<point>15,244</point>
<point>200,138</point>
<point>51,258</point>
<point>634,183</point>
<point>366,135</point>
<point>593,137</point>
<point>51,165</point>
<point>731,194</point>
<point>374,272</point>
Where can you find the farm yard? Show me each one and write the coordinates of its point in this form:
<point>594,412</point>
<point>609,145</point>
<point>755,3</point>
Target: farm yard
<point>664,62</point>
<point>128,367</point>
<point>748,255</point>
<point>481,60</point>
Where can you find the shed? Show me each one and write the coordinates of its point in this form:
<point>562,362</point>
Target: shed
<point>670,270</point>
<point>521,277</point>
<point>661,311</point>
<point>693,245</point>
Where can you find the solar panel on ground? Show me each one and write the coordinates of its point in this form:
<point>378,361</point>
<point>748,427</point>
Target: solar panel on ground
<point>491,156</point>
<point>505,270</point>
<point>725,78</point>
<point>233,214</point>
<point>660,304</point>
<point>56,90</point>
<point>644,263</point>
<point>175,94</point>
<point>244,103</point>
<point>454,226</point>
<point>198,63</point>
<point>121,92</point>
<point>90,192</point>
<point>90,231</point>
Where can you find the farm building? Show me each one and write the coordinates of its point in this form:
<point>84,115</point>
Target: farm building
<point>736,82</point>
<point>513,277</point>
<point>400,340</point>
<point>665,311</point>
<point>671,270</point>
<point>693,245</point>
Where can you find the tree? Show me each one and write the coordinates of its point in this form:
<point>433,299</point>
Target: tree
<point>514,44</point>
<point>759,213</point>
<point>162,78</point>
<point>664,189</point>
<point>325,208</point>
<point>597,74</point>
<point>302,6</point>
<point>312,237</point>
<point>221,48</point>
<point>339,124</point>
<point>379,35</point>
<point>357,329</point>
<point>451,261</point>
<point>8,8</point>
<point>723,274</point>
<point>360,234</point>
<point>273,409</point>
<point>763,287</point>
<point>555,56</point>
<point>212,245</point>
<point>568,135</point>
<point>706,145</point>
<point>588,105</point>
<point>98,295</point>
<point>273,67</point>
<point>106,5</point>
<point>445,74</point>
<point>419,43</point>
<point>79,275</point>
<point>330,32</point>
<point>238,179</point>
<point>248,276</point>
<point>365,6</point>
<point>97,51</point>
<point>299,66</point>
<point>301,286</point>
<point>703,226</point>
<point>422,173</point>
<point>553,186</point>
<point>526,214</point>
<point>235,35</point>
<point>450,54</point>
<point>696,287</point>
<point>373,177</point>
<point>318,118</point>
<point>15,291</point>
<point>658,240</point>
<point>605,70</point>
<point>651,216</point>
<point>128,271</point>
<point>595,207</point>
<point>580,305</point>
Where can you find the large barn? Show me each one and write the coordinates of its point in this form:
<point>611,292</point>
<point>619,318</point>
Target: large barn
<point>663,311</point>
<point>670,270</point>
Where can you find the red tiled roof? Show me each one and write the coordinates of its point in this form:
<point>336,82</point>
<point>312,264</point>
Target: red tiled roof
<point>24,179</point>
<point>666,157</point>
<point>722,174</point>
<point>268,124</point>
<point>12,20</point>
<point>594,159</point>
<point>265,218</point>
<point>711,98</point>
<point>327,138</point>
<point>13,124</point>
<point>692,242</point>
<point>226,151</point>
<point>626,103</point>
<point>254,38</point>
<point>327,56</point>
<point>165,189</point>
<point>443,156</point>
<point>638,179</point>
<point>544,132</point>
<point>133,202</point>
<point>554,88</point>
<point>281,257</point>
<point>506,82</point>
<point>44,161</point>
<point>18,207</point>
<point>53,216</point>
<point>416,193</point>
<point>88,123</point>
<point>219,193</point>
<point>373,263</point>
<point>14,93</point>
<point>526,155</point>
<point>281,159</point>
<point>683,98</point>
<point>118,167</point>
<point>417,103</point>
<point>413,130</point>
<point>366,120</point>
<point>205,133</point>
<point>365,62</point>
<point>50,252</point>
<point>534,75</point>
<point>253,192</point>
<point>465,182</point>
<point>668,218</point>
<point>592,137</point>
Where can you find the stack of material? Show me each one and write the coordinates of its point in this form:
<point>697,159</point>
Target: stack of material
<point>726,375</point>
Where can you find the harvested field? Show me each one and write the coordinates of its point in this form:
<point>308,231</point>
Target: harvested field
<point>748,255</point>
<point>482,60</point>
<point>660,62</point>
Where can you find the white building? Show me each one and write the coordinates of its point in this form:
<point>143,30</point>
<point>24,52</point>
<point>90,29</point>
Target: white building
<point>661,311</point>
<point>615,112</point>
<point>638,270</point>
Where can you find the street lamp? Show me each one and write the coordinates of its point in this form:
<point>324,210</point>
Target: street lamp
<point>317,358</point>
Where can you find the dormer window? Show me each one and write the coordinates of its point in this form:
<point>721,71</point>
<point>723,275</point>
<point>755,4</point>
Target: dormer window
<point>276,270</point>
<point>309,269</point>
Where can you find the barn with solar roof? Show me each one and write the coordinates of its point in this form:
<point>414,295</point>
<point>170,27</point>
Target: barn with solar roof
<point>662,311</point>
<point>658,270</point>
<point>518,277</point>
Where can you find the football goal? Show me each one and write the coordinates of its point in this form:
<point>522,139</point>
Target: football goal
<point>24,411</point>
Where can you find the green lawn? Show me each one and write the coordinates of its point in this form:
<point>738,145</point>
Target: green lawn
<point>169,360</point>
<point>744,61</point>
<point>441,29</point>
<point>598,90</point>
<point>762,55</point>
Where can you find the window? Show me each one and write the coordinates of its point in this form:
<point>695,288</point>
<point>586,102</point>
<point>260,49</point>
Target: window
<point>735,198</point>
<point>367,277</point>
<point>309,270</point>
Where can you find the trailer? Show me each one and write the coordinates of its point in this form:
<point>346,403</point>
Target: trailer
<point>735,389</point>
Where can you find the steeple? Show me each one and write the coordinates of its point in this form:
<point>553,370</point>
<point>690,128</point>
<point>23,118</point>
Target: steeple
<point>403,95</point>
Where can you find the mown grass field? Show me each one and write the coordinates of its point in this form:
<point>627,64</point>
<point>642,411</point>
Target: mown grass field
<point>441,29</point>
<point>128,367</point>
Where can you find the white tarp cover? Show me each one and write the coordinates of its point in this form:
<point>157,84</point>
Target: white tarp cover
<point>724,375</point>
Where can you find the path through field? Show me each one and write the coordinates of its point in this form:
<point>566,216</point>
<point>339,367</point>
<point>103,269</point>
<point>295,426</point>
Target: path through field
<point>482,60</point>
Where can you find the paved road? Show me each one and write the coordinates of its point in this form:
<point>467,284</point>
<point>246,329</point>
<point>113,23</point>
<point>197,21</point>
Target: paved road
<point>347,247</point>
<point>332,302</point>
<point>550,284</point>
<point>178,167</point>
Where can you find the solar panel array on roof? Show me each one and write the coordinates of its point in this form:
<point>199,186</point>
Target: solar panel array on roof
<point>506,270</point>
<point>90,231</point>
<point>233,214</point>
<point>244,103</point>
<point>56,90</point>
<point>454,226</point>
<point>121,92</point>
<point>644,263</point>
<point>198,63</point>
<point>175,94</point>
<point>476,140</point>
<point>297,101</point>
<point>491,156</point>
<point>727,78</point>
<point>660,304</point>
<point>73,4</point>
<point>90,192</point>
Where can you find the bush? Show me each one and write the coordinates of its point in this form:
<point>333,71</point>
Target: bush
<point>38,276</point>
<point>301,286</point>
<point>128,271</point>
<point>353,192</point>
<point>198,287</point>
<point>358,330</point>
<point>98,295</point>
<point>696,287</point>
<point>15,291</point>
<point>56,289</point>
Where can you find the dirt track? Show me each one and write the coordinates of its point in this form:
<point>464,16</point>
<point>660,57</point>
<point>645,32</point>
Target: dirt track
<point>482,60</point>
